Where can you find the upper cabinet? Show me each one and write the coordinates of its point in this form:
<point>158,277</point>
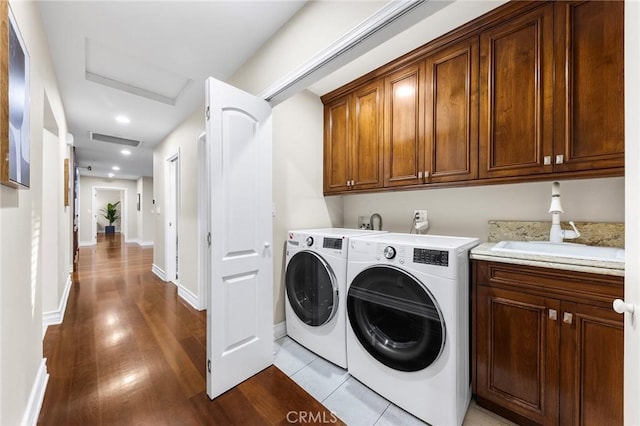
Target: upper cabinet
<point>589,93</point>
<point>451,125</point>
<point>530,91</point>
<point>404,126</point>
<point>516,96</point>
<point>353,140</point>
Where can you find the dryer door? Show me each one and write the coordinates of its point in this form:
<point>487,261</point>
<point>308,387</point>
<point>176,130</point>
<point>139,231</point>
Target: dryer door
<point>311,288</point>
<point>395,318</point>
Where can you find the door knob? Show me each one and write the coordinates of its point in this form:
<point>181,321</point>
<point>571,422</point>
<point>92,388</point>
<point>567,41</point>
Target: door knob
<point>267,244</point>
<point>620,307</point>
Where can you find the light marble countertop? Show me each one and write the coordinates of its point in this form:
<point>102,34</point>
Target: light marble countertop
<point>484,252</point>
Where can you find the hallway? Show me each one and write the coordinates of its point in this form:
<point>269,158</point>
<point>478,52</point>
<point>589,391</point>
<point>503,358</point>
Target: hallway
<point>130,351</point>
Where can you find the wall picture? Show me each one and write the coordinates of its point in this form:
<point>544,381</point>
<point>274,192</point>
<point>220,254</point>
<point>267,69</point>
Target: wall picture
<point>15,139</point>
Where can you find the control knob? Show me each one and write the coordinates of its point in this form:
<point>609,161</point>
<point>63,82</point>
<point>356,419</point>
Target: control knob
<point>309,241</point>
<point>389,252</point>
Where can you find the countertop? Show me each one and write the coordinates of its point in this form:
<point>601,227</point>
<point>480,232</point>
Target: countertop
<point>484,252</point>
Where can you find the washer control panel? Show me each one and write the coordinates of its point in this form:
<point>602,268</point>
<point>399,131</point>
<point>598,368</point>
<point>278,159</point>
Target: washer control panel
<point>332,243</point>
<point>431,257</point>
<point>389,252</point>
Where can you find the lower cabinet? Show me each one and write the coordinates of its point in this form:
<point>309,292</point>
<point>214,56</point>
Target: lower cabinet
<point>547,347</point>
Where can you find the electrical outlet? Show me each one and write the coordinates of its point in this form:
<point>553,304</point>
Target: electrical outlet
<point>420,215</point>
<point>363,222</point>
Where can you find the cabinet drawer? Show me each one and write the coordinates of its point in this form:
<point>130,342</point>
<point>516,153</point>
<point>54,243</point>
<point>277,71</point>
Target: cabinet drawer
<point>595,289</point>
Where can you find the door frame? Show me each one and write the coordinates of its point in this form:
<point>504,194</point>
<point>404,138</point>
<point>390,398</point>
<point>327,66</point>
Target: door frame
<point>171,232</point>
<point>124,197</point>
<point>204,222</point>
<point>632,211</point>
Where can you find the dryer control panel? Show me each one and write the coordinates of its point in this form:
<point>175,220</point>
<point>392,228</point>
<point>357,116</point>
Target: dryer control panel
<point>431,257</point>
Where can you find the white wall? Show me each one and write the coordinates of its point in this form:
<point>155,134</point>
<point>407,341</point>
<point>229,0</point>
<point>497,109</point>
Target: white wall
<point>146,215</point>
<point>21,246</point>
<point>466,211</point>
<point>51,192</point>
<point>86,193</point>
<point>183,140</point>
<point>104,196</point>
<point>297,180</point>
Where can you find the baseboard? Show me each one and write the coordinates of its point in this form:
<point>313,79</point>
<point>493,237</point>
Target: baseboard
<point>190,298</point>
<point>159,272</point>
<point>57,316</point>
<point>86,244</point>
<point>145,243</point>
<point>279,330</point>
<point>36,397</point>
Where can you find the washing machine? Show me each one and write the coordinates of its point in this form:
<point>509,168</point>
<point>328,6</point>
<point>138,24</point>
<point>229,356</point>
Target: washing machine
<point>315,287</point>
<point>408,322</point>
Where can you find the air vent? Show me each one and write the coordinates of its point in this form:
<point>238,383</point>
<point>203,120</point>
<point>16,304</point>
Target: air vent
<point>113,139</point>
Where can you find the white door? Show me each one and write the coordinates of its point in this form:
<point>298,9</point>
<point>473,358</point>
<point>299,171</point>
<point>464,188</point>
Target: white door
<point>240,314</point>
<point>171,210</point>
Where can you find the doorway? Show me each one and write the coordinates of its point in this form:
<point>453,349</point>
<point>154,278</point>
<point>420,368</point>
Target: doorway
<point>101,196</point>
<point>172,214</point>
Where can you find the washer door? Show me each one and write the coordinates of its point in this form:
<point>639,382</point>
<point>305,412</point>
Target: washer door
<point>395,318</point>
<point>311,288</point>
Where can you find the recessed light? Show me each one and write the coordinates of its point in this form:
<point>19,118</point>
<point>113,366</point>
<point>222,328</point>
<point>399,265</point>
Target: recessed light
<point>125,152</point>
<point>111,175</point>
<point>123,119</point>
<point>116,168</point>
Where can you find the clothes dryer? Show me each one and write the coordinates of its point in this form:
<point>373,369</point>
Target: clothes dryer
<point>315,287</point>
<point>408,322</point>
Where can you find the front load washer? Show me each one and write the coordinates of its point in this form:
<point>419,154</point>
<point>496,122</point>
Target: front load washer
<point>408,327</point>
<point>315,287</point>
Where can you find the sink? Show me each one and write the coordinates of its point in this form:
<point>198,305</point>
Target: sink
<point>570,250</point>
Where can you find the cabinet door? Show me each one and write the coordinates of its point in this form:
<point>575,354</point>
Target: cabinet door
<point>366,143</point>
<point>336,145</point>
<point>591,372</point>
<point>403,127</point>
<point>517,353</point>
<point>451,124</point>
<point>589,118</point>
<point>516,95</point>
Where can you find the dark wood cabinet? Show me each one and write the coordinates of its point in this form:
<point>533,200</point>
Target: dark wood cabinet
<point>516,95</point>
<point>451,124</point>
<point>353,140</point>
<point>589,80</point>
<point>404,126</point>
<point>530,91</point>
<point>547,346</point>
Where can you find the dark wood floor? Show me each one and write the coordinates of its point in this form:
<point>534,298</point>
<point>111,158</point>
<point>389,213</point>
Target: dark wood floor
<point>130,351</point>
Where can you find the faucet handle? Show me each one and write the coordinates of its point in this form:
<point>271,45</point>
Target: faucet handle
<point>570,235</point>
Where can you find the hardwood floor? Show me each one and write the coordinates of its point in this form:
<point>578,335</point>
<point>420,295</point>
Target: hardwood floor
<point>130,351</point>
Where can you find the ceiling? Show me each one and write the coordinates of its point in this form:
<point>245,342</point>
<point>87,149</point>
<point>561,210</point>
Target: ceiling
<point>146,60</point>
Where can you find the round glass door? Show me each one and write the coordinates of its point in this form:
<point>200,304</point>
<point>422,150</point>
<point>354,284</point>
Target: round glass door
<point>311,288</point>
<point>395,318</point>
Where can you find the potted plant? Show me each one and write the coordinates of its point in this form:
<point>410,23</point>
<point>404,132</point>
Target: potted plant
<point>111,214</point>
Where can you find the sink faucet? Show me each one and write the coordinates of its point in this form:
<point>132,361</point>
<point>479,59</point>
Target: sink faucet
<point>557,234</point>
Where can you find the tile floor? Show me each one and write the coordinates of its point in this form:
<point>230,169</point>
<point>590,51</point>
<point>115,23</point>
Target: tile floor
<point>349,399</point>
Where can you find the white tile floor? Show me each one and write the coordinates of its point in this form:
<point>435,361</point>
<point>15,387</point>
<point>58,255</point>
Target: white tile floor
<point>350,400</point>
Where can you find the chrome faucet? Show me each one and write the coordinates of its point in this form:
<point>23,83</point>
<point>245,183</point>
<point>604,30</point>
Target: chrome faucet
<point>557,234</point>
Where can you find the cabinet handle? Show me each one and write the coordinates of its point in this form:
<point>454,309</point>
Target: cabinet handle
<point>419,175</point>
<point>426,174</point>
<point>348,183</point>
<point>553,314</point>
<point>547,160</point>
<point>559,159</point>
<point>353,182</point>
<point>567,318</point>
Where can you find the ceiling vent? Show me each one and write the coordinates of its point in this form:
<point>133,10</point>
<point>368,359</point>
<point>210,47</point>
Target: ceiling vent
<point>113,139</point>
